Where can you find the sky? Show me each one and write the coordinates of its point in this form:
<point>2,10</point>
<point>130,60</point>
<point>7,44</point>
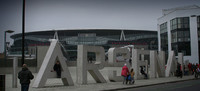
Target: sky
<point>44,15</point>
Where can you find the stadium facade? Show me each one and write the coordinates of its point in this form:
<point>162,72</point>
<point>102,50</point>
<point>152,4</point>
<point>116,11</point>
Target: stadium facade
<point>179,30</point>
<point>69,39</point>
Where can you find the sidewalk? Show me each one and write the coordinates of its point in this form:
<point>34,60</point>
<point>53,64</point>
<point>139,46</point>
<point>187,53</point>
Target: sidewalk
<point>56,84</point>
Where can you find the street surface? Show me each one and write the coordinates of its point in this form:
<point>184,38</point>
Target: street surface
<point>192,85</point>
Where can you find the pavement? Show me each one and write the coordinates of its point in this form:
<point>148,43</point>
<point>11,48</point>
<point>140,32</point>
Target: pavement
<point>55,84</point>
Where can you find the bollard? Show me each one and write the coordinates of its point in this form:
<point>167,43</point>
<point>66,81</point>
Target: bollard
<point>14,78</point>
<point>2,82</point>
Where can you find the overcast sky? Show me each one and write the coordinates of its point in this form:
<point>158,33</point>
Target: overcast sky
<point>44,15</point>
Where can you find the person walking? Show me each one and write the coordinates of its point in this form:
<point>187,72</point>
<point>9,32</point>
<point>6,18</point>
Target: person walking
<point>25,76</point>
<point>179,70</point>
<point>132,73</point>
<point>125,73</point>
<point>57,68</point>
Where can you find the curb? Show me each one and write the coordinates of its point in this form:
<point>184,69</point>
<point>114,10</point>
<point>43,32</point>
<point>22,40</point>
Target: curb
<point>148,85</point>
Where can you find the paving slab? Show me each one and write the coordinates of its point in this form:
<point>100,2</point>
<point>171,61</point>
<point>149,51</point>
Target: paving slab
<point>56,84</point>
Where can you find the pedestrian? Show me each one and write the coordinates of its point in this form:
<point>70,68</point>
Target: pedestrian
<point>90,60</point>
<point>197,72</point>
<point>190,68</point>
<point>132,73</point>
<point>179,70</point>
<point>25,76</point>
<point>57,68</point>
<point>125,73</point>
<point>130,61</point>
<point>143,73</point>
<point>193,68</point>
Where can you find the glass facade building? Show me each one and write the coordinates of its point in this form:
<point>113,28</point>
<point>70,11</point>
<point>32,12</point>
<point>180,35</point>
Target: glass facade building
<point>69,39</point>
<point>178,31</point>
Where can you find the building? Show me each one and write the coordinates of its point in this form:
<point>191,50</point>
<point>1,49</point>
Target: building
<point>69,39</point>
<point>179,30</point>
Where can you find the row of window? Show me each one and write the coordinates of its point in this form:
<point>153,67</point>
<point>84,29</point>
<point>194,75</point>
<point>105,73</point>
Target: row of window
<point>182,22</point>
<point>198,26</point>
<point>198,22</point>
<point>164,37</point>
<point>180,34</point>
<point>163,28</point>
<point>164,42</point>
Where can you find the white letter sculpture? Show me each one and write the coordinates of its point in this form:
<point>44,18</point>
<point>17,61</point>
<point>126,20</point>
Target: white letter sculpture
<point>137,62</point>
<point>171,64</point>
<point>83,66</point>
<point>54,52</point>
<point>157,64</point>
<point>112,54</point>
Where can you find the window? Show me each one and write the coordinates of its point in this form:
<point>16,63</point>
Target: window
<point>180,35</point>
<point>164,36</point>
<point>174,36</point>
<point>198,26</point>
<point>86,37</point>
<point>163,28</point>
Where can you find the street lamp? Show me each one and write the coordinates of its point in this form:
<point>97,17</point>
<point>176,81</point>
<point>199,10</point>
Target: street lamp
<point>5,44</point>
<point>23,28</point>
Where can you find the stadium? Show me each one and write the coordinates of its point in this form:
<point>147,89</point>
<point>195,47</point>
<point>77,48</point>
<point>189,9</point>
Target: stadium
<point>69,39</point>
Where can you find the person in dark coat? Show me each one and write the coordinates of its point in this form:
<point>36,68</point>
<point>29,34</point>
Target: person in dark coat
<point>179,70</point>
<point>143,73</point>
<point>57,68</point>
<point>25,76</point>
<point>90,60</point>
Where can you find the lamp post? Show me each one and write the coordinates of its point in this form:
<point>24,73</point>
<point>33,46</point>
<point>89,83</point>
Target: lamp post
<point>5,44</point>
<point>23,29</point>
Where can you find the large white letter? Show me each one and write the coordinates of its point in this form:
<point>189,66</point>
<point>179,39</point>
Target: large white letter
<point>54,52</point>
<point>157,64</point>
<point>171,64</point>
<point>112,54</point>
<point>138,60</point>
<point>83,66</point>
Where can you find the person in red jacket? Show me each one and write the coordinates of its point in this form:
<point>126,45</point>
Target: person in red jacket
<point>124,73</point>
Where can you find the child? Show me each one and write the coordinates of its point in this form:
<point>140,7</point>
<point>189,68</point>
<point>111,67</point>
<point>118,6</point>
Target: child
<point>132,73</point>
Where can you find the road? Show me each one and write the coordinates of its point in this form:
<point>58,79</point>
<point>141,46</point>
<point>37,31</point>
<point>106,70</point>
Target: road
<point>192,85</point>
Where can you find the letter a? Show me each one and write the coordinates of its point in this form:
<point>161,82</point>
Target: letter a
<point>54,52</point>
